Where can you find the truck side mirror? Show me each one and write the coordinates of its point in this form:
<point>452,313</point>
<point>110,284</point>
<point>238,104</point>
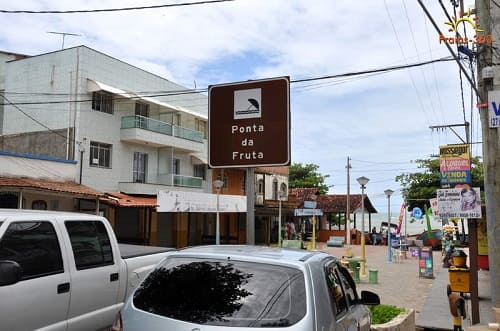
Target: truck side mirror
<point>10,272</point>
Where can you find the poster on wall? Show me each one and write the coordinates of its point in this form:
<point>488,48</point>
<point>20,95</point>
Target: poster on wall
<point>482,237</point>
<point>459,202</point>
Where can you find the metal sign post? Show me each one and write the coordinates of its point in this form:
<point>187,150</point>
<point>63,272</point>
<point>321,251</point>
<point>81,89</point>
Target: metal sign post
<point>248,127</point>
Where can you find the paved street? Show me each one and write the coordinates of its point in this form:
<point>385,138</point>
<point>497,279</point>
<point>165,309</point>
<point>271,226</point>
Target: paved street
<point>399,284</point>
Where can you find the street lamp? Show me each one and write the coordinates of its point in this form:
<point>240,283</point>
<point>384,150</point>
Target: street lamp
<point>218,185</point>
<point>388,193</point>
<point>404,192</point>
<point>312,244</point>
<point>281,195</point>
<point>363,181</point>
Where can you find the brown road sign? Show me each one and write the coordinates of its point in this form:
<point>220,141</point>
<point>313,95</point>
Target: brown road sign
<point>249,123</point>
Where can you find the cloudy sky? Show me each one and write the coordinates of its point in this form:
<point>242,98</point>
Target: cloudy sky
<point>381,121</point>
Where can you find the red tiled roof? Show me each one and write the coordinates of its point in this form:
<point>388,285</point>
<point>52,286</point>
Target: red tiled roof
<point>125,200</point>
<point>49,185</point>
<point>337,203</point>
<point>303,193</point>
<point>283,170</point>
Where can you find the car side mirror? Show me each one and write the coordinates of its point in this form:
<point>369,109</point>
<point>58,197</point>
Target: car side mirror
<point>369,298</point>
<point>10,272</point>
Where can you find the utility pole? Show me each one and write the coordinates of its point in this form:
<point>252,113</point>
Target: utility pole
<point>450,126</point>
<point>348,205</point>
<point>490,136</point>
<point>485,12</point>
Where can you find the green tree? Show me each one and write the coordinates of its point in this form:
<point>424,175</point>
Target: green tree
<point>421,186</point>
<point>307,176</point>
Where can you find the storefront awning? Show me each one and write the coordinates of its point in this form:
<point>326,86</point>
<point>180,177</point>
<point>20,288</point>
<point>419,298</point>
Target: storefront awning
<point>198,159</point>
<point>93,86</point>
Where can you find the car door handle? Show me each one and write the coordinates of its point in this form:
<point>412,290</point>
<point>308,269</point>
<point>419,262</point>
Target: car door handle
<point>63,288</point>
<point>114,277</point>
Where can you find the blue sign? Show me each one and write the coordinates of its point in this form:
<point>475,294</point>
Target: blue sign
<point>417,213</point>
<point>450,179</point>
<point>310,204</point>
<point>308,212</point>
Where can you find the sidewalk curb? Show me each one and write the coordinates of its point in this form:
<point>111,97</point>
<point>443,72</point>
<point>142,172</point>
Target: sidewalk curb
<point>404,321</point>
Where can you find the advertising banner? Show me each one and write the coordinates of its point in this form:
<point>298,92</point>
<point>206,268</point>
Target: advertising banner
<point>454,165</point>
<point>194,202</point>
<point>434,207</point>
<point>459,202</point>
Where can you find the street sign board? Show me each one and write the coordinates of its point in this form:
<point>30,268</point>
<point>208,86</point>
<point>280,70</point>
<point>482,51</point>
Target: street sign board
<point>308,212</point>
<point>310,204</point>
<point>494,109</point>
<point>249,123</point>
<point>454,165</point>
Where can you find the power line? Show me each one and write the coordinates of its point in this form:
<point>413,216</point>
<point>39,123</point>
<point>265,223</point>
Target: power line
<point>386,69</point>
<point>32,118</point>
<point>433,70</point>
<point>404,57</point>
<point>418,57</point>
<point>139,95</point>
<point>109,9</point>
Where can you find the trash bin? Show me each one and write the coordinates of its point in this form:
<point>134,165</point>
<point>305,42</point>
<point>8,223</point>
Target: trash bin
<point>373,276</point>
<point>356,275</point>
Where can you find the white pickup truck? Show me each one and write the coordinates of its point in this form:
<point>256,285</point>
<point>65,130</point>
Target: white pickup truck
<point>65,271</point>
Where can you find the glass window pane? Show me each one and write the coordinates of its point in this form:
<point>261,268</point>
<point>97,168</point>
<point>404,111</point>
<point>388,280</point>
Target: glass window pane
<point>90,243</point>
<point>34,245</point>
<point>336,292</point>
<point>100,154</point>
<point>221,293</point>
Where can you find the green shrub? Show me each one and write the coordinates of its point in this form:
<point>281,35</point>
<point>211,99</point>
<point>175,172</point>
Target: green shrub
<point>384,313</point>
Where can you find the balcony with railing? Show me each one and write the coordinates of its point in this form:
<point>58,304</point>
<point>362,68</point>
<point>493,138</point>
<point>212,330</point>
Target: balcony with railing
<point>188,181</point>
<point>147,131</point>
<point>163,182</point>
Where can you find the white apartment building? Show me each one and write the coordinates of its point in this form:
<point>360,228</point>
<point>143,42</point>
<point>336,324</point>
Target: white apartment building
<point>135,132</point>
<point>131,133</point>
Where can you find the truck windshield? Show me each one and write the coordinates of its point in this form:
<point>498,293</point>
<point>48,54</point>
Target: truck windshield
<point>224,293</point>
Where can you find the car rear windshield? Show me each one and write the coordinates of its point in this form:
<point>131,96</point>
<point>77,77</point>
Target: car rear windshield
<point>224,293</point>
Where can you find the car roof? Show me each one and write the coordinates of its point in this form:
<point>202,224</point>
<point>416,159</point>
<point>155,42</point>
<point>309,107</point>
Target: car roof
<point>29,213</point>
<point>263,253</point>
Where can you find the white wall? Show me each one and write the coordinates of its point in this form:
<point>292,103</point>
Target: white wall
<point>66,73</point>
<point>33,167</point>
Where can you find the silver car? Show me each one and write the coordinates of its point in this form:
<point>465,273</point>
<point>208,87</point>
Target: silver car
<point>210,288</point>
